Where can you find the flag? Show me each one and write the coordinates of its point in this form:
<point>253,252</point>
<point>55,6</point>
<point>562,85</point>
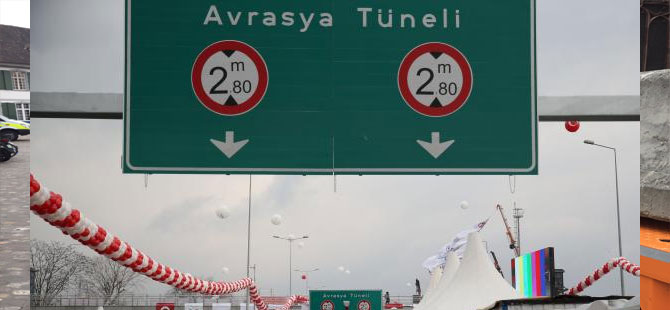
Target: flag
<point>457,245</point>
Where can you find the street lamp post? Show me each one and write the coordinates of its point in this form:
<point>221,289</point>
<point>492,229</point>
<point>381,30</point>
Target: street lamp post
<point>290,240</point>
<point>618,216</point>
<point>306,277</point>
<point>223,213</point>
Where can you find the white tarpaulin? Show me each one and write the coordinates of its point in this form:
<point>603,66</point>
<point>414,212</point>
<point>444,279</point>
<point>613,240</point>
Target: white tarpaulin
<point>475,285</point>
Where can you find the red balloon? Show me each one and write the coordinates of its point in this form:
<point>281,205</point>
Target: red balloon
<point>304,277</point>
<point>572,126</point>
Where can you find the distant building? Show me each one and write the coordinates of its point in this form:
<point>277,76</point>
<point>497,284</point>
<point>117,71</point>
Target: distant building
<point>15,72</point>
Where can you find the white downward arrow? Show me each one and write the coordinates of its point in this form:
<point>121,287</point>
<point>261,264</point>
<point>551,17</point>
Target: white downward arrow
<point>229,147</point>
<point>435,147</point>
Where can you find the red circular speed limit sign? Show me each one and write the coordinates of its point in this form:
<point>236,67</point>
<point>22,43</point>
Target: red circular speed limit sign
<point>327,305</point>
<point>364,305</point>
<point>229,77</point>
<point>435,79</point>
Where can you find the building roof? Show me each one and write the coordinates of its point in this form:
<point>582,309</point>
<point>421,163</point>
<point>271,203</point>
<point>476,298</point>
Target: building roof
<point>14,46</point>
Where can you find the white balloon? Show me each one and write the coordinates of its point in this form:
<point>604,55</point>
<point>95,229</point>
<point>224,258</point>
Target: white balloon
<point>409,284</point>
<point>225,270</point>
<point>347,271</point>
<point>464,205</point>
<point>223,212</point>
<point>301,244</point>
<point>276,219</point>
<point>341,268</point>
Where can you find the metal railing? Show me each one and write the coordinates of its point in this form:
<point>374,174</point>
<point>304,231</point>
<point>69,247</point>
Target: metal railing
<point>151,300</point>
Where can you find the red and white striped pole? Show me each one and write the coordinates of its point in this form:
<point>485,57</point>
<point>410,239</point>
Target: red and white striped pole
<point>51,207</point>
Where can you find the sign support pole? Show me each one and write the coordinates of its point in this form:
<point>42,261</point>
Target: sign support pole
<point>249,241</point>
<point>334,176</point>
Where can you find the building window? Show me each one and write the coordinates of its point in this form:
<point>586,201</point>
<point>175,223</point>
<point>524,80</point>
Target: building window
<point>19,80</point>
<point>23,111</point>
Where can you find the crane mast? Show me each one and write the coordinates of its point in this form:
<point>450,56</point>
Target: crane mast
<point>510,236</point>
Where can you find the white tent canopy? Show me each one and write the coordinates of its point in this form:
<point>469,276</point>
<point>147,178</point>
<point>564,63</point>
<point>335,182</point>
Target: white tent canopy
<point>434,281</point>
<point>475,284</point>
<point>447,274</point>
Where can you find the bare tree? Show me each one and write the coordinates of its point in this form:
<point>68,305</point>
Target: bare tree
<point>56,265</point>
<point>108,280</point>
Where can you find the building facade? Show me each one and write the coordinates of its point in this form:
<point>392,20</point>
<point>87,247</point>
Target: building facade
<point>654,35</point>
<point>15,72</point>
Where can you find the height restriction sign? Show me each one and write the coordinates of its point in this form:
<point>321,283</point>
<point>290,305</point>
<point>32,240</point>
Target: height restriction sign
<point>330,87</point>
<point>229,77</point>
<point>435,79</point>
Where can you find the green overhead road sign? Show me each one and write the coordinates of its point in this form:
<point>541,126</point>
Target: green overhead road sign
<point>345,300</point>
<point>325,86</point>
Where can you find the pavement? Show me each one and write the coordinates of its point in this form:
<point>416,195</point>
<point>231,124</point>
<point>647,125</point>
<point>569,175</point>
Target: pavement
<point>15,229</point>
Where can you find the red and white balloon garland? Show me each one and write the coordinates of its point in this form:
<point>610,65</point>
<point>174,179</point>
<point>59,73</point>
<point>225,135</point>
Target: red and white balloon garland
<point>609,266</point>
<point>51,207</point>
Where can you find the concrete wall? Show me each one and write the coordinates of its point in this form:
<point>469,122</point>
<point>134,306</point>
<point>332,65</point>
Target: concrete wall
<point>655,145</point>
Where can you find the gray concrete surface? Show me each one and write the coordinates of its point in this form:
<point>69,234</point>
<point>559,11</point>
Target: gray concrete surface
<point>15,229</point>
<point>655,145</point>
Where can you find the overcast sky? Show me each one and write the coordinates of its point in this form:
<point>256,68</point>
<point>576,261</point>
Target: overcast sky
<point>15,13</point>
<point>583,47</point>
<point>379,227</point>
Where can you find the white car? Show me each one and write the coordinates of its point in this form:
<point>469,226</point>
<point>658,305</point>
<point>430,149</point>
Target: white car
<point>12,128</point>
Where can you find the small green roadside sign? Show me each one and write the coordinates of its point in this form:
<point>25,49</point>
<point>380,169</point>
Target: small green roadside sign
<point>330,87</point>
<point>345,300</point>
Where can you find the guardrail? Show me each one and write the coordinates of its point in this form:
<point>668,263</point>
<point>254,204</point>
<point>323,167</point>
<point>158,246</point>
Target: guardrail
<point>151,300</point>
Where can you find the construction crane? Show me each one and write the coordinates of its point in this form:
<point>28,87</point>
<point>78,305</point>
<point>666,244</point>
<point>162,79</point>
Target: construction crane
<point>496,264</point>
<point>510,236</point>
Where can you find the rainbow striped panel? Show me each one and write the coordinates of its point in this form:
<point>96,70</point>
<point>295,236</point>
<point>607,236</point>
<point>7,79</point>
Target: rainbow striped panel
<point>533,273</point>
